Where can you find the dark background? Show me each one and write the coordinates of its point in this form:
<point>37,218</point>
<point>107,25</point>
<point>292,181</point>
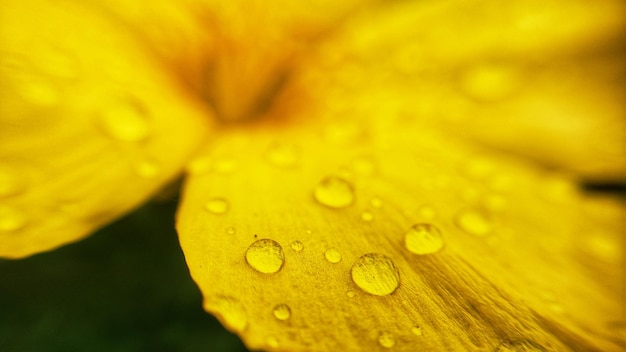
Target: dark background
<point>125,288</point>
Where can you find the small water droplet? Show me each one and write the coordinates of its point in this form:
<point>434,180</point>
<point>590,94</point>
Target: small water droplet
<point>473,222</point>
<point>224,165</point>
<point>11,219</point>
<point>367,216</point>
<point>376,202</point>
<point>231,230</point>
<point>363,166</point>
<point>386,340</point>
<point>265,256</point>
<point>427,212</point>
<point>232,312</point>
<point>350,294</point>
<point>10,183</point>
<point>490,81</point>
<point>272,342</point>
<point>147,168</point>
<point>126,121</point>
<point>297,246</point>
<point>282,155</point>
<point>417,330</point>
<point>375,274</point>
<point>282,312</point>
<point>423,239</point>
<point>334,192</point>
<point>200,165</point>
<point>217,206</point>
<point>333,255</point>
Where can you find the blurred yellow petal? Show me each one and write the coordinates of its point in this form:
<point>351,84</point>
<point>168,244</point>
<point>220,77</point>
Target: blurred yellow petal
<point>90,124</point>
<point>545,80</point>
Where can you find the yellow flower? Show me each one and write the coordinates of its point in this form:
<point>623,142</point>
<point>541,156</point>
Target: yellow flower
<point>359,176</point>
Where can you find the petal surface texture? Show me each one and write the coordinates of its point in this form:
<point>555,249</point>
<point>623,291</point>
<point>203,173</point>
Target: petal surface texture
<point>365,211</point>
<point>90,125</point>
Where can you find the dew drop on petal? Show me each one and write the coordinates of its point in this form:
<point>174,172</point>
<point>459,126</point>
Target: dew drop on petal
<point>376,202</point>
<point>297,246</point>
<point>350,293</point>
<point>333,255</point>
<point>386,340</point>
<point>282,155</point>
<point>11,219</point>
<point>217,206</point>
<point>147,168</point>
<point>272,342</point>
<point>473,222</point>
<point>423,239</point>
<point>231,230</point>
<point>10,183</point>
<point>367,216</point>
<point>416,330</point>
<point>282,312</point>
<point>126,121</point>
<point>375,274</point>
<point>334,192</point>
<point>265,256</point>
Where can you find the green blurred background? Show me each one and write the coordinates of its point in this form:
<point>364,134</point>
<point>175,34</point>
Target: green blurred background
<point>125,288</point>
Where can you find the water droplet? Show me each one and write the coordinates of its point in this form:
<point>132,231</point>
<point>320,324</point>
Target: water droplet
<point>386,339</point>
<point>350,294</point>
<point>334,192</point>
<point>272,342</point>
<point>147,168</point>
<point>200,165</point>
<point>10,183</point>
<point>231,230</point>
<point>490,81</point>
<point>333,255</point>
<point>126,121</point>
<point>367,216</point>
<point>423,239</point>
<point>363,166</point>
<point>427,212</point>
<point>376,202</point>
<point>474,222</point>
<point>217,206</point>
<point>519,346</point>
<point>231,311</point>
<point>282,155</point>
<point>375,274</point>
<point>282,312</point>
<point>11,219</point>
<point>265,256</point>
<point>416,330</point>
<point>297,246</point>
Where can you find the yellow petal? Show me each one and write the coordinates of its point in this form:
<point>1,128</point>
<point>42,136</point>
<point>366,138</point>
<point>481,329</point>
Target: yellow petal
<point>90,125</point>
<point>395,236</point>
<point>509,76</point>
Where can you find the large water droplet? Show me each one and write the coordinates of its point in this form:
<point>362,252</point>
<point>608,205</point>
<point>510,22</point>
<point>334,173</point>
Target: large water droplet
<point>375,274</point>
<point>282,312</point>
<point>334,192</point>
<point>474,222</point>
<point>11,219</point>
<point>126,121</point>
<point>217,206</point>
<point>386,340</point>
<point>297,246</point>
<point>333,255</point>
<point>265,256</point>
<point>282,155</point>
<point>10,183</point>
<point>423,239</point>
